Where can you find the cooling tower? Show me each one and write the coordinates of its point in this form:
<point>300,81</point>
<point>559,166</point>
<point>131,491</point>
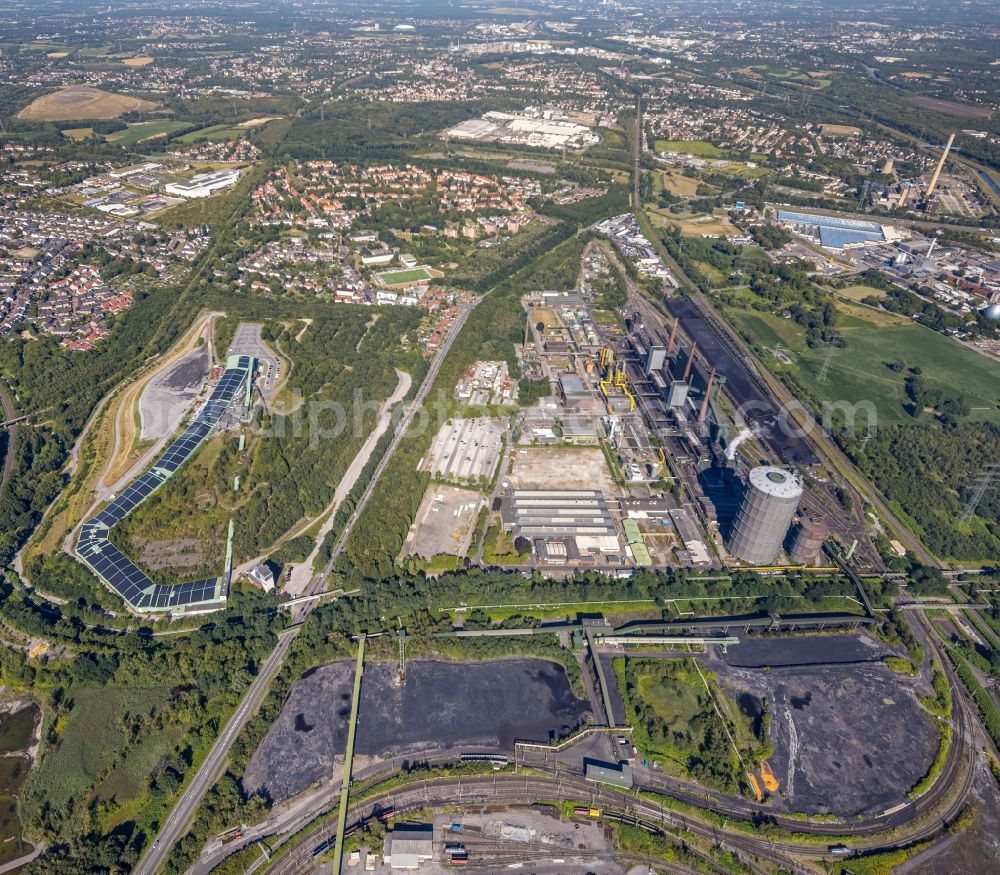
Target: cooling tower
<point>769,504</point>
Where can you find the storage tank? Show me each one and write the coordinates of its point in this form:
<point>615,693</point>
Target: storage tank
<point>769,503</point>
<point>808,540</point>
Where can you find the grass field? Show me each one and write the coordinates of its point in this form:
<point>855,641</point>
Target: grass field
<point>140,61</point>
<point>78,133</point>
<point>677,184</point>
<point>402,277</point>
<point>701,148</point>
<point>693,226</point>
<point>859,293</point>
<point>839,130</point>
<point>667,703</point>
<point>213,133</point>
<point>81,102</point>
<point>93,737</point>
<point>546,316</point>
<point>860,372</point>
<point>139,131</point>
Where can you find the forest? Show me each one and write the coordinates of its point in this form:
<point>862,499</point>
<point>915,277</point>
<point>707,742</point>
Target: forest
<point>928,473</point>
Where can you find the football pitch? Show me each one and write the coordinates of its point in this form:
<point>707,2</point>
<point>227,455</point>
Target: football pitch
<point>402,277</point>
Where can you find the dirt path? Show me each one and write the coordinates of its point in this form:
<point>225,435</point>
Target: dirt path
<point>305,325</point>
<point>302,572</point>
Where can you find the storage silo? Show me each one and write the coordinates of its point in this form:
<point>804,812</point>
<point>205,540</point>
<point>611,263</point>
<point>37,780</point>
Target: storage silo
<point>808,540</point>
<point>769,503</point>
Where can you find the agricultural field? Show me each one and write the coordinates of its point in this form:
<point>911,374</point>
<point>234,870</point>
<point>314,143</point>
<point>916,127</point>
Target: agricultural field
<point>859,293</point>
<point>839,130</point>
<point>142,131</point>
<point>139,61</point>
<point>860,371</point>
<point>677,183</point>
<point>81,102</point>
<point>78,134</point>
<point>811,79</point>
<point>693,226</point>
<point>213,133</point>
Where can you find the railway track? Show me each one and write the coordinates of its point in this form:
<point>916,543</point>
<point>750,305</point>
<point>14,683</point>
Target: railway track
<point>511,790</point>
<point>515,791</point>
<point>10,453</point>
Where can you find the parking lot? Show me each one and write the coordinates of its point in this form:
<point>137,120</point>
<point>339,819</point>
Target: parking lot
<point>247,341</point>
<point>466,450</point>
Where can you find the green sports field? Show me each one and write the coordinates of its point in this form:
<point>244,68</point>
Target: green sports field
<point>860,371</point>
<point>401,277</point>
<point>700,148</point>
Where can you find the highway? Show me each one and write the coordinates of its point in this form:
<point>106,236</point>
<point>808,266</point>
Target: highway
<point>176,823</point>
<point>209,770</point>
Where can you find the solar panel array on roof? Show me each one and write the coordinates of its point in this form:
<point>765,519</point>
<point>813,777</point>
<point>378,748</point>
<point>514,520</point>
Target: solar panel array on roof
<point>119,572</point>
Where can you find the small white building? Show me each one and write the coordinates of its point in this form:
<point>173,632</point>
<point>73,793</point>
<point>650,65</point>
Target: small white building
<point>262,576</point>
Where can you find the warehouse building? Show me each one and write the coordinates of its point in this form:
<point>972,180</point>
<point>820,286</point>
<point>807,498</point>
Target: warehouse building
<point>204,184</point>
<point>834,232</point>
<point>580,514</point>
<point>619,775</point>
<point>409,845</point>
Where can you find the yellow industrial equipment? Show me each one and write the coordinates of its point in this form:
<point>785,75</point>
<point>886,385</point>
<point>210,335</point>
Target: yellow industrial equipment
<point>770,782</point>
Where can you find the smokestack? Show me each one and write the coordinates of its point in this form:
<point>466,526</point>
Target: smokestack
<point>690,362</point>
<point>673,334</point>
<point>708,394</point>
<point>940,166</point>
